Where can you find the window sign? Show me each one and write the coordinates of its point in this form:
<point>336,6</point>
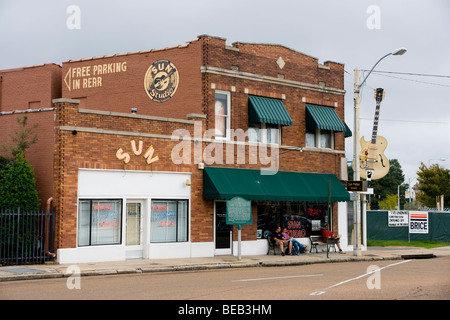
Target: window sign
<point>296,225</point>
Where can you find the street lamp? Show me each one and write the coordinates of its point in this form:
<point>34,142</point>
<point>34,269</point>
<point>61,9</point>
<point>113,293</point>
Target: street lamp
<point>357,203</point>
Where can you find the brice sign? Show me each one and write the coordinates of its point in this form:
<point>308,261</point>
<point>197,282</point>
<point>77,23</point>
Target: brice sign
<point>418,222</point>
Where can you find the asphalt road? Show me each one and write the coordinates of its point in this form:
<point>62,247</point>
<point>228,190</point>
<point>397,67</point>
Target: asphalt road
<point>422,279</point>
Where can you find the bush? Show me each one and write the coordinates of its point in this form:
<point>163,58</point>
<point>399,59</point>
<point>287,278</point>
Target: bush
<point>18,185</point>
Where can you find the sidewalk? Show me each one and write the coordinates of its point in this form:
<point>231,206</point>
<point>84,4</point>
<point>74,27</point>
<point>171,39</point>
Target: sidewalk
<point>47,271</point>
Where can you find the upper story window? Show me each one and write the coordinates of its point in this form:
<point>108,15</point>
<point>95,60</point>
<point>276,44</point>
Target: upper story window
<point>265,118</point>
<point>264,132</point>
<point>222,114</point>
<point>319,138</point>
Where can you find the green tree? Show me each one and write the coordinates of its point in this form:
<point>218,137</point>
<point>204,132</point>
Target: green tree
<point>389,203</point>
<point>388,185</point>
<point>18,185</point>
<point>23,138</point>
<point>433,181</point>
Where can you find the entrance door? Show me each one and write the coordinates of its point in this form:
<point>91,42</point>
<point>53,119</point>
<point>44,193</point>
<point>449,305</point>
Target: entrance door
<point>224,232</point>
<point>133,232</point>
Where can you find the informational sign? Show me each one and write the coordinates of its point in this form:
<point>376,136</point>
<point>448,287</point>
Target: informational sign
<point>418,222</point>
<point>397,218</point>
<point>239,211</point>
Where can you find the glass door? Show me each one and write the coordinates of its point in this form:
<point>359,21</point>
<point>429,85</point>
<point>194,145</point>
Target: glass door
<point>133,232</point>
<point>224,231</point>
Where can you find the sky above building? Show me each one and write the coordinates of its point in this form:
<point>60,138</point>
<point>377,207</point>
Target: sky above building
<point>414,116</point>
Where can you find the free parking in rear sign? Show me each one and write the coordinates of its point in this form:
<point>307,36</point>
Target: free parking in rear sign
<point>418,222</point>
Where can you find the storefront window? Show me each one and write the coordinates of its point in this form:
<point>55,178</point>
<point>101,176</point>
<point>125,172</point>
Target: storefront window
<point>169,221</point>
<point>301,219</point>
<point>99,222</point>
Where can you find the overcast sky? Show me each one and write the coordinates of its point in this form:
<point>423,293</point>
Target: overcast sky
<point>415,115</point>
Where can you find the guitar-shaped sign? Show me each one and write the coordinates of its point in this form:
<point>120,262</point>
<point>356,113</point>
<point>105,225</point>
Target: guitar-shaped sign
<point>373,163</point>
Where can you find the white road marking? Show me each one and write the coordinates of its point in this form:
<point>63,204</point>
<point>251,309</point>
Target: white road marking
<point>277,278</point>
<point>316,293</point>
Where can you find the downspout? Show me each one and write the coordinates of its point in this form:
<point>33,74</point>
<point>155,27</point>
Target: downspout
<point>49,206</point>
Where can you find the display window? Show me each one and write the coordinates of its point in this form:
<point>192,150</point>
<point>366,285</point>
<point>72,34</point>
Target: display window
<point>99,222</point>
<point>169,221</point>
<point>300,219</point>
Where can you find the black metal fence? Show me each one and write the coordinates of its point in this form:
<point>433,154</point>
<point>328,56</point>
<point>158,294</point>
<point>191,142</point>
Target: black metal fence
<point>26,236</point>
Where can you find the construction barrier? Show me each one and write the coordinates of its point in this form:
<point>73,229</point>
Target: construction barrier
<point>408,225</point>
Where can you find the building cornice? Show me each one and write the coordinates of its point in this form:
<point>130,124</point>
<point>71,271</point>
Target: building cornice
<point>271,80</point>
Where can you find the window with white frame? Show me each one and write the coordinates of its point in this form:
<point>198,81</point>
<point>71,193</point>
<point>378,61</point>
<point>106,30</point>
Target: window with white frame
<point>319,139</point>
<point>264,132</point>
<point>222,114</point>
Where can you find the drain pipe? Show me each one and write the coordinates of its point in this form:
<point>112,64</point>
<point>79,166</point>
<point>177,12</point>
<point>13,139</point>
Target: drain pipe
<point>49,206</point>
<point>49,203</point>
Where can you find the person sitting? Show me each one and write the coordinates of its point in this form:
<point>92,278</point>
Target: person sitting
<point>278,240</point>
<point>298,247</point>
<point>331,236</point>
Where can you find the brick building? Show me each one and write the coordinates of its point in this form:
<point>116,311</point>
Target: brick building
<point>143,150</point>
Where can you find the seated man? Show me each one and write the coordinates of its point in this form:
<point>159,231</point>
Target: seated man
<point>333,238</point>
<point>278,240</point>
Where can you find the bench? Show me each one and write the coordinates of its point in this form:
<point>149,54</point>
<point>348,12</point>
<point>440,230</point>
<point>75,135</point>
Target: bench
<point>317,240</point>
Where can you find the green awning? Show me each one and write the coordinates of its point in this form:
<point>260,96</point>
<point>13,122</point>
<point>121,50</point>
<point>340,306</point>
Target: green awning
<point>250,184</point>
<point>348,132</point>
<point>321,117</point>
<point>267,110</point>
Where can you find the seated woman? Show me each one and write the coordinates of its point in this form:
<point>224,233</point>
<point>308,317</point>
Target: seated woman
<point>292,242</point>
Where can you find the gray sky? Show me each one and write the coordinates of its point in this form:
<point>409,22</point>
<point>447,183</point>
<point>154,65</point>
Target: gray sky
<point>415,116</point>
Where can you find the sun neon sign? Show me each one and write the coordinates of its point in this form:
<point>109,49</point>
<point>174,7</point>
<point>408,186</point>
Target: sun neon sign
<point>137,150</point>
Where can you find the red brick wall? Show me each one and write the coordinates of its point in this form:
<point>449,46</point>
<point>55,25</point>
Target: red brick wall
<point>120,91</point>
<point>29,87</point>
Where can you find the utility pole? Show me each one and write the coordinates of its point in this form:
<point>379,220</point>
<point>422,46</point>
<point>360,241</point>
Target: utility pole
<point>356,174</point>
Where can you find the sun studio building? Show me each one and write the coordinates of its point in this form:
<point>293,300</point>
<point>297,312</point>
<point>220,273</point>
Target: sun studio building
<point>140,152</point>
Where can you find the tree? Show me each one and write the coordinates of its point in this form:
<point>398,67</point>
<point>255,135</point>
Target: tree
<point>17,180</point>
<point>18,185</point>
<point>389,203</point>
<point>433,181</point>
<point>23,138</point>
<point>388,185</point>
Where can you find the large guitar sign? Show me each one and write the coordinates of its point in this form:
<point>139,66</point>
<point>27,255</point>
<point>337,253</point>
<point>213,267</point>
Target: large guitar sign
<point>373,163</point>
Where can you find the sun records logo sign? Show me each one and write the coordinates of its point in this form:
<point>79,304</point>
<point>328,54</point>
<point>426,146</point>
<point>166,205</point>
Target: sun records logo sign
<point>161,80</point>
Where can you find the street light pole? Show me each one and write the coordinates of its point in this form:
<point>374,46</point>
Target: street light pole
<point>356,172</point>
